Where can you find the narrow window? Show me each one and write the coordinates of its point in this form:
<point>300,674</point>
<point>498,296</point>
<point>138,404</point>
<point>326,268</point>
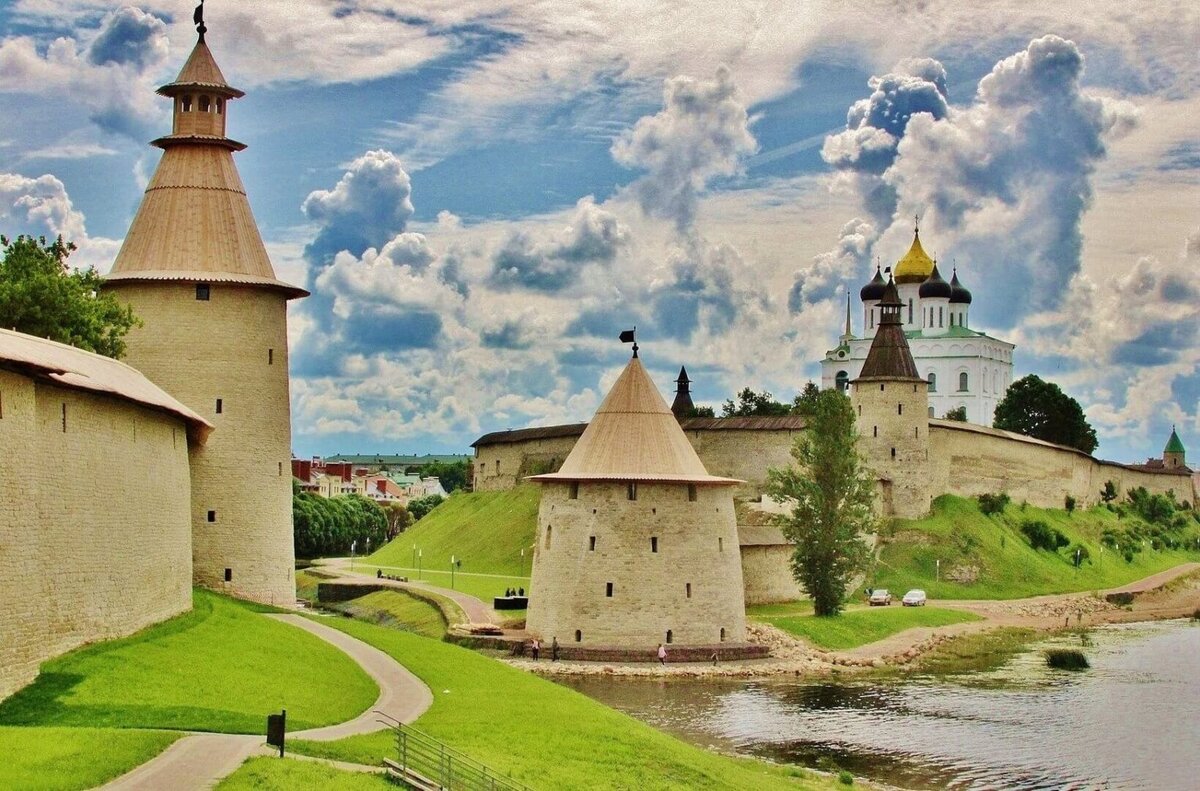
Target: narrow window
<point>670,636</point>
<point>720,544</point>
<point>574,495</point>
<point>916,431</point>
<point>204,104</point>
<point>910,308</point>
<point>212,516</point>
<point>688,589</point>
<point>881,388</point>
<point>280,468</point>
<point>548,532</point>
<point>872,318</point>
<point>220,406</point>
<point>591,543</point>
<point>578,636</point>
<point>220,106</point>
<point>229,575</point>
<point>899,409</point>
<point>962,381</point>
<point>653,543</point>
<point>931,411</point>
<point>893,453</point>
<point>608,589</point>
<point>722,634</point>
<point>939,316</point>
<point>874,431</point>
<point>631,491</point>
<point>64,417</point>
<point>691,492</point>
<point>2,410</point>
<point>497,466</point>
<point>932,382</point>
<point>187,104</point>
<point>270,356</point>
<point>860,410</point>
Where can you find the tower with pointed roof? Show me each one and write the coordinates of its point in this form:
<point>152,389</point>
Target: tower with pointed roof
<point>682,407</point>
<point>1174,454</point>
<point>889,399</point>
<point>214,335</point>
<point>637,544</point>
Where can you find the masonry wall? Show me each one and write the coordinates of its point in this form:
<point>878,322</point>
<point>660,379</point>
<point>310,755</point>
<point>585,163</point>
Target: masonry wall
<point>767,574</point>
<point>893,428</point>
<point>697,544</point>
<point>95,535</point>
<point>503,465</point>
<point>231,347</point>
<point>745,455</point>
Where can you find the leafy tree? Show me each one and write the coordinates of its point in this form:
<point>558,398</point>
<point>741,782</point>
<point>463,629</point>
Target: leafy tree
<point>453,475</point>
<point>701,411</point>
<point>398,518</point>
<point>806,402</point>
<point>831,496</point>
<point>41,295</point>
<point>1037,408</point>
<point>328,526</point>
<point>959,413</point>
<point>1109,492</point>
<point>750,403</point>
<point>421,506</point>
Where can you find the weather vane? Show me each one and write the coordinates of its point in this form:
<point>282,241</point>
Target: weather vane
<point>198,19</point>
<point>629,336</point>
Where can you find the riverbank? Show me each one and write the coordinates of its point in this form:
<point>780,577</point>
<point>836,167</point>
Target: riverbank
<point>1174,593</point>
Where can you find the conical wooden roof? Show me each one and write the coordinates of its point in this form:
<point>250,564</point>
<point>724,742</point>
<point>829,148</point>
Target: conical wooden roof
<point>200,71</point>
<point>634,437</point>
<point>889,357</point>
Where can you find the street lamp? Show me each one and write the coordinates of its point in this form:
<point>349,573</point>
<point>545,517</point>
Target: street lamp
<point>451,572</point>
<point>420,554</point>
<point>353,544</point>
<point>414,563</point>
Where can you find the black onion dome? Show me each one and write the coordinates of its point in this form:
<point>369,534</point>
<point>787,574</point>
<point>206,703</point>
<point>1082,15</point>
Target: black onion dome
<point>935,286</point>
<point>874,290</point>
<point>958,292</point>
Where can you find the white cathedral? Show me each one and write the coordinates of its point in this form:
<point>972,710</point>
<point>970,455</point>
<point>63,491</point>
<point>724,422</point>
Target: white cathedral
<point>964,367</point>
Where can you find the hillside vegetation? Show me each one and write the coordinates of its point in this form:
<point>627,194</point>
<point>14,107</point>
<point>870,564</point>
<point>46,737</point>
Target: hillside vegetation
<point>991,557</point>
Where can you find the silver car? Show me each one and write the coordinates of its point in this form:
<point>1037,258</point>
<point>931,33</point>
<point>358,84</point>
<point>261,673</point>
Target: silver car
<point>879,598</point>
<point>914,598</point>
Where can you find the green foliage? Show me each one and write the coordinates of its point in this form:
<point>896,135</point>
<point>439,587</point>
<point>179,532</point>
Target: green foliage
<point>1066,659</point>
<point>991,504</point>
<point>1069,503</point>
<point>398,518</point>
<point>845,778</point>
<point>831,496</point>
<point>421,506</point>
<point>856,626</point>
<point>701,411</point>
<point>65,759</point>
<point>398,610</point>
<point>1037,408</point>
<point>329,526</point>
<point>1154,508</point>
<point>1109,492</point>
<point>220,667</point>
<point>41,295</point>
<point>453,476</point>
<point>959,413</point>
<point>750,403</point>
<point>1043,536</point>
<point>805,403</point>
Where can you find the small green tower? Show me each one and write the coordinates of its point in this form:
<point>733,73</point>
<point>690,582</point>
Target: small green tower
<point>1174,454</point>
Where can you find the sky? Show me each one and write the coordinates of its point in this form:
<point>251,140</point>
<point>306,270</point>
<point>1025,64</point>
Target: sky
<point>482,195</point>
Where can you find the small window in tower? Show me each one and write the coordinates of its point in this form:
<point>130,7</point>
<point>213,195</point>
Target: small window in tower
<point>670,636</point>
<point>204,104</point>
<point>187,104</point>
<point>722,634</point>
<point>270,356</point>
<point>860,410</point>
<point>229,575</point>
<point>281,468</point>
<point>653,543</point>
<point>608,589</point>
<point>549,531</point>
<point>220,106</point>
<point>578,636</point>
<point>893,453</point>
<point>203,291</point>
<point>687,588</point>
<point>692,493</point>
<point>574,494</point>
<point>631,491</point>
<point>917,432</point>
<point>220,406</point>
<point>2,412</point>
<point>591,543</point>
<point>939,316</point>
<point>962,382</point>
<point>497,466</point>
<point>899,409</point>
<point>212,516</point>
<point>932,382</point>
<point>874,431</point>
<point>881,388</point>
<point>910,310</point>
<point>720,544</point>
<point>64,417</point>
<point>872,319</point>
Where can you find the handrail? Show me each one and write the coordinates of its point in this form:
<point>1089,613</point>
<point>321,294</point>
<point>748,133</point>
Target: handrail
<point>420,754</point>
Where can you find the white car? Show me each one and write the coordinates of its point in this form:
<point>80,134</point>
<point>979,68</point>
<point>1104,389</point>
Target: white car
<point>879,598</point>
<point>914,598</point>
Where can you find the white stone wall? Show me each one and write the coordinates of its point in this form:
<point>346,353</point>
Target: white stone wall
<point>503,465</point>
<point>232,347</point>
<point>893,429</point>
<point>697,545</point>
<point>767,574</point>
<point>95,528</point>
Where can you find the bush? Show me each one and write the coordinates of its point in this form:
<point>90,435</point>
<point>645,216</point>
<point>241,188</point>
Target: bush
<point>1109,492</point>
<point>421,506</point>
<point>845,778</point>
<point>1043,536</point>
<point>1069,503</point>
<point>1067,659</point>
<point>993,503</point>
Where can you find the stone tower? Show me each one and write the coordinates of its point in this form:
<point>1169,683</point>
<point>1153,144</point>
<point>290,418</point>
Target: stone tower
<point>637,544</point>
<point>1174,454</point>
<point>682,406</point>
<point>891,404</point>
<point>195,270</point>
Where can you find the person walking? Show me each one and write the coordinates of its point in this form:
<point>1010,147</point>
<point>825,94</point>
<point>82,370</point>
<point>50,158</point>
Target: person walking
<point>536,648</point>
<point>662,654</point>
<point>554,650</point>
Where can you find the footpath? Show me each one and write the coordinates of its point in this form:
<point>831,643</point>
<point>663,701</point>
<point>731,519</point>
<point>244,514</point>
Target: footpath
<point>201,760</point>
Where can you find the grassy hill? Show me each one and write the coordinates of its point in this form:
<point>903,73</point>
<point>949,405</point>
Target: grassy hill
<point>486,530</point>
<point>992,558</point>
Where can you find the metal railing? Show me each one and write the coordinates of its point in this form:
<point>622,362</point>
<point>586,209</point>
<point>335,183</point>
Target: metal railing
<point>427,762</point>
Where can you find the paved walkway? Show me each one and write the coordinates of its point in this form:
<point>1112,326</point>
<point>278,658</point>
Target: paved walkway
<point>201,760</point>
<point>476,610</point>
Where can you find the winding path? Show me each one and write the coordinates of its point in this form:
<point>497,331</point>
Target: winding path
<point>476,610</point>
<point>201,760</point>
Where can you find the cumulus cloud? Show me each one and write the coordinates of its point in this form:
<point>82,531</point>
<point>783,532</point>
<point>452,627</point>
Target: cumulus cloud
<point>130,36</point>
<point>371,203</point>
<point>705,287</point>
<point>702,132</point>
<point>833,269</point>
<point>41,207</point>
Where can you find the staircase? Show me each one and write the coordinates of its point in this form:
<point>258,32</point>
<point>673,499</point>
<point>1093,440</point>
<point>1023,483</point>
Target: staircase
<point>425,764</point>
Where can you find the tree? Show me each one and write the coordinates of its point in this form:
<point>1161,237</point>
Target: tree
<point>1109,492</point>
<point>421,506</point>
<point>453,475</point>
<point>831,495</point>
<point>41,295</point>
<point>398,518</point>
<point>750,403</point>
<point>1039,409</point>
<point>959,413</point>
<point>701,411</point>
<point>806,402</point>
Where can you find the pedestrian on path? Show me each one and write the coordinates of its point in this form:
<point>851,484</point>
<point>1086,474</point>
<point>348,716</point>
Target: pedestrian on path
<point>536,647</point>
<point>554,650</point>
<point>662,654</point>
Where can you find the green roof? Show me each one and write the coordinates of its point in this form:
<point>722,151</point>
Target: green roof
<point>1173,444</point>
<point>396,460</point>
<point>949,332</point>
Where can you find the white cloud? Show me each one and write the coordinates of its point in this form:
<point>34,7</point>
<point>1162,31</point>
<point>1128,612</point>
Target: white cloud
<point>41,207</point>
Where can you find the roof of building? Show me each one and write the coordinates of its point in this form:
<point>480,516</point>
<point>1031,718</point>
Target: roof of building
<point>959,295</point>
<point>889,357</point>
<point>916,265</point>
<point>874,289</point>
<point>634,437</point>
<point>935,286</point>
<point>755,423</point>
<point>200,71</point>
<point>1174,445</point>
<point>528,434</point>
<point>382,459</point>
<point>66,366</point>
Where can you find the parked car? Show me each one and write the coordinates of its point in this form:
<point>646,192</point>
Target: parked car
<point>914,598</point>
<point>879,597</point>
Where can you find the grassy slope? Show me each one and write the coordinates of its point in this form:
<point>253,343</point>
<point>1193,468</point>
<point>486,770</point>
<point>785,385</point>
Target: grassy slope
<point>545,735</point>
<point>265,773</point>
<point>221,667</point>
<point>856,626</point>
<point>63,759</point>
<point>397,610</point>
<point>957,533</point>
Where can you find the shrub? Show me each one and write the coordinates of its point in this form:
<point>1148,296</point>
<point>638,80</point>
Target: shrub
<point>1083,554</point>
<point>993,503</point>
<point>1109,492</point>
<point>1069,502</point>
<point>1043,536</point>
<point>845,778</point>
<point>1067,659</point>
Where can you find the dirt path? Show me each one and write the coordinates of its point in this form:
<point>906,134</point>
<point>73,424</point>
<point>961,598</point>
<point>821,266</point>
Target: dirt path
<point>201,760</point>
<point>476,610</point>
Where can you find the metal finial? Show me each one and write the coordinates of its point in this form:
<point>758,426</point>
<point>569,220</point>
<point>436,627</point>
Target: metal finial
<point>198,20</point>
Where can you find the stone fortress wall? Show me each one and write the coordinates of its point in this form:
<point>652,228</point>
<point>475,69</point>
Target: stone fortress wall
<point>235,348</point>
<point>645,549</point>
<point>95,523</point>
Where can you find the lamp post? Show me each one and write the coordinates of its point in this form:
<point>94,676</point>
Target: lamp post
<point>353,544</point>
<point>938,573</point>
<point>414,563</point>
<point>420,555</point>
<point>451,572</point>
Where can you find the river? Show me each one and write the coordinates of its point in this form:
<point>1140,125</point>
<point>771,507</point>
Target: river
<point>1130,722</point>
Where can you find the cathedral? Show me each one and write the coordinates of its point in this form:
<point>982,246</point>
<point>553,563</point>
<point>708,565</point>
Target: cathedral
<point>964,368</point>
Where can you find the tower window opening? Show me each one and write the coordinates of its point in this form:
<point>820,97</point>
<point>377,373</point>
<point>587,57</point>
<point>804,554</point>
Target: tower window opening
<point>893,453</point>
<point>860,410</point>
<point>204,104</point>
<point>220,406</point>
<point>229,575</point>
<point>220,106</point>
<point>64,417</point>
<point>940,316</point>
<point>931,411</point>
<point>722,634</point>
<point>899,409</point>
<point>692,493</point>
<point>203,291</point>
<point>874,431</point>
<point>212,516</point>
<point>574,492</point>
<point>631,491</point>
<point>608,589</point>
<point>549,531</point>
<point>187,104</point>
<point>881,388</point>
<point>2,413</point>
<point>917,431</point>
<point>962,382</point>
<point>578,636</point>
<point>687,587</point>
<point>932,382</point>
<point>720,544</point>
<point>653,543</point>
<point>591,543</point>
<point>497,466</point>
<point>670,636</point>
<point>270,356</point>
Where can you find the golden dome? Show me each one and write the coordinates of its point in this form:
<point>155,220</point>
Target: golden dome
<point>916,265</point>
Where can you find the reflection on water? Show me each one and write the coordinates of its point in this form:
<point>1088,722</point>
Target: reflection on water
<point>1131,722</point>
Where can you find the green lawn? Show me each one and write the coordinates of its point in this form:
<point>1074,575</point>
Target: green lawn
<point>268,774</point>
<point>483,587</point>
<point>543,734</point>
<point>855,626</point>
<point>65,759</point>
<point>960,536</point>
<point>221,667</point>
<point>397,610</point>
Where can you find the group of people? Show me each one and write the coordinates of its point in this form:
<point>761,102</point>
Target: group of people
<point>510,592</point>
<point>535,648</point>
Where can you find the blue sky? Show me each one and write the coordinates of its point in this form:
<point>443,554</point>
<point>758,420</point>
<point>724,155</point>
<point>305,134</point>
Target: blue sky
<point>481,195</point>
